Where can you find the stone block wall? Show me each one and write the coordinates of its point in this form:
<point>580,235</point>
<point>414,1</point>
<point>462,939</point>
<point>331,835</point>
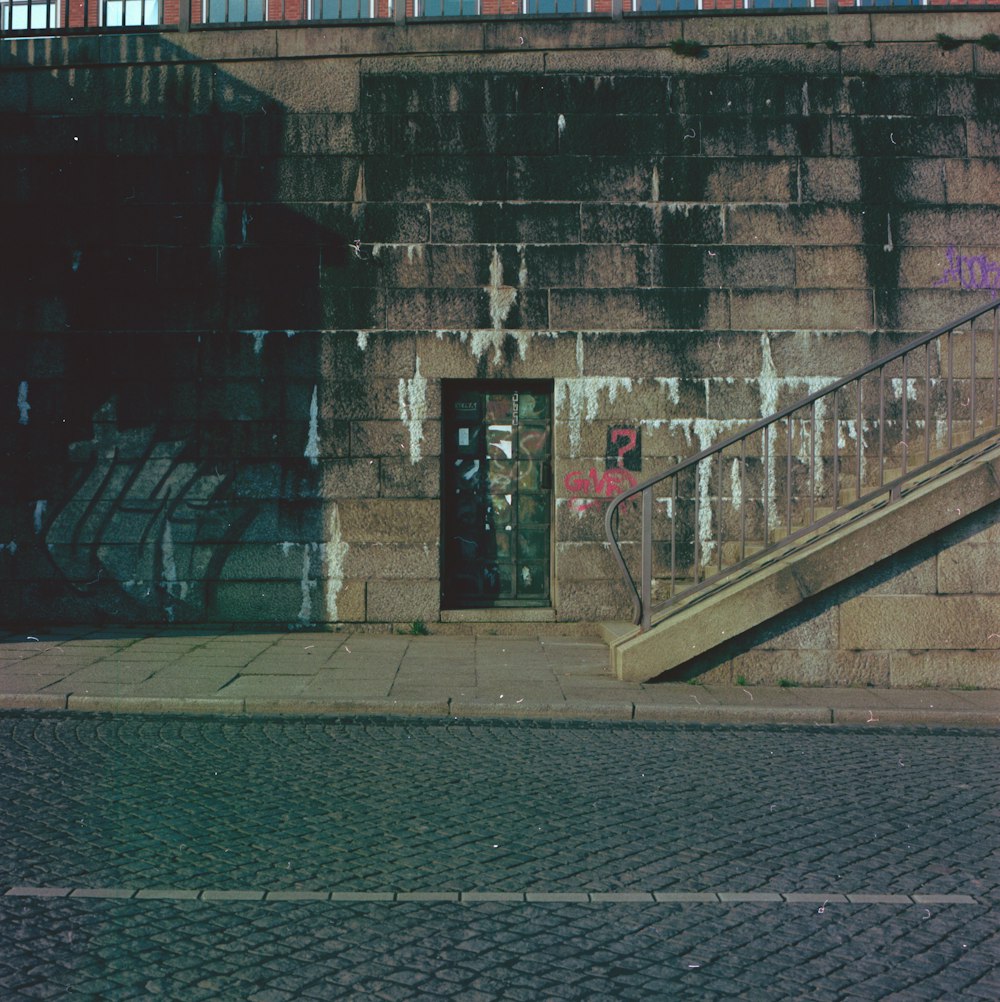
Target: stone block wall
<point>927,617</point>
<point>240,264</point>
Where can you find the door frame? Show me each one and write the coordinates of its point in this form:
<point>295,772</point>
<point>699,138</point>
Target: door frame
<point>450,389</point>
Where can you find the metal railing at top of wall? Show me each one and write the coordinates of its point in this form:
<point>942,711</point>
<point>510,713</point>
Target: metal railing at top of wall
<point>47,17</point>
<point>858,443</point>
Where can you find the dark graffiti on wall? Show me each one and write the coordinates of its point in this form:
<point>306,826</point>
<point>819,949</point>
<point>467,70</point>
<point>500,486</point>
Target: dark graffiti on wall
<point>144,525</point>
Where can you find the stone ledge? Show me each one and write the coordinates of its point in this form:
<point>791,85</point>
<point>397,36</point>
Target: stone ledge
<point>520,40</point>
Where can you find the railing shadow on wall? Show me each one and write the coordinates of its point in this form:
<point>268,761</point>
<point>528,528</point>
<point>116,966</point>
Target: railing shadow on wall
<point>33,17</point>
<point>161,335</point>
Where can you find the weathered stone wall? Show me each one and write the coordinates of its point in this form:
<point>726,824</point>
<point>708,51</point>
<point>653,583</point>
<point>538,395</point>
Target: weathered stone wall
<point>929,617</point>
<point>239,265</point>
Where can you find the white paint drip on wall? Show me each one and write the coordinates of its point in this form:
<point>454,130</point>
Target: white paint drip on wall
<point>582,396</point>
<point>312,441</point>
<point>258,340</point>
<point>849,430</point>
<point>769,387</point>
<point>502,297</point>
<point>172,586</point>
<point>360,193</point>
<point>39,515</point>
<point>706,538</point>
<point>307,585</point>
<point>413,409</point>
<point>736,485</point>
<point>22,402</point>
<point>561,124</point>
<point>668,504</point>
<point>362,340</point>
<point>335,555</point>
<point>217,224</point>
<point>672,385</point>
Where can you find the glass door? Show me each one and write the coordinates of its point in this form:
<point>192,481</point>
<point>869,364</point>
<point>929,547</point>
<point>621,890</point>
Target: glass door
<point>497,494</point>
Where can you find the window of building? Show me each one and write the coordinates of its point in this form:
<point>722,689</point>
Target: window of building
<point>223,11</point>
<point>336,10</point>
<point>131,13</point>
<point>24,15</point>
<point>449,8</point>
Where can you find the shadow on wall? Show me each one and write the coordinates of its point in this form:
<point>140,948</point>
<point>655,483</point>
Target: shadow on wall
<point>159,299</point>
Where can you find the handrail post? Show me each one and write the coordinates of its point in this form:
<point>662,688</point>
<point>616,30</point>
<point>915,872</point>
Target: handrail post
<point>647,557</point>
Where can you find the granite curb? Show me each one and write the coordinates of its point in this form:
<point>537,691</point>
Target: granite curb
<point>827,714</point>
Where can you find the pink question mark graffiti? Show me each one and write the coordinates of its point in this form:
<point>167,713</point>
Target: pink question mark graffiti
<point>629,434</point>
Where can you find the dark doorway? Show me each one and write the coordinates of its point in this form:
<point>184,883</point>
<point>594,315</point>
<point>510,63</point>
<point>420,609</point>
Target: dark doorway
<point>496,494</point>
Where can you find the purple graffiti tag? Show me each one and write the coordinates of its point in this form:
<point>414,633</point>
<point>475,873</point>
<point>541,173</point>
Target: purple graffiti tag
<point>970,272</point>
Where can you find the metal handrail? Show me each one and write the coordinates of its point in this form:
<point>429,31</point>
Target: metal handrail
<point>699,525</point>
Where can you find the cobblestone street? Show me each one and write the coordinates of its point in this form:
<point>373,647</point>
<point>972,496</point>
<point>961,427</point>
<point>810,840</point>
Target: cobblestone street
<point>272,859</point>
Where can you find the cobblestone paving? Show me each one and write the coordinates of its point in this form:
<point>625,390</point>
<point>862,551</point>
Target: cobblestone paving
<point>409,806</point>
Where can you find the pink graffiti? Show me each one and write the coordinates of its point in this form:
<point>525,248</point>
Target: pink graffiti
<point>975,272</point>
<point>586,491</point>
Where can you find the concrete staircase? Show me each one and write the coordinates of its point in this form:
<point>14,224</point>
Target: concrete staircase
<point>808,565</point>
<point>818,493</point>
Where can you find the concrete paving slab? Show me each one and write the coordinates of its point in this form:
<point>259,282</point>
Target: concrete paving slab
<point>206,674</point>
<point>191,688</point>
<point>375,687</point>
<point>277,668</point>
<point>68,687</point>
<point>120,674</point>
<point>265,686</point>
<point>27,683</point>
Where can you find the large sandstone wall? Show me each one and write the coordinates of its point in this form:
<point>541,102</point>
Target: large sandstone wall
<point>239,264</point>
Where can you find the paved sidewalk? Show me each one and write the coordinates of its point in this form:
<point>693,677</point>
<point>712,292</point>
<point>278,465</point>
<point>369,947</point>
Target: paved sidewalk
<point>197,670</point>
